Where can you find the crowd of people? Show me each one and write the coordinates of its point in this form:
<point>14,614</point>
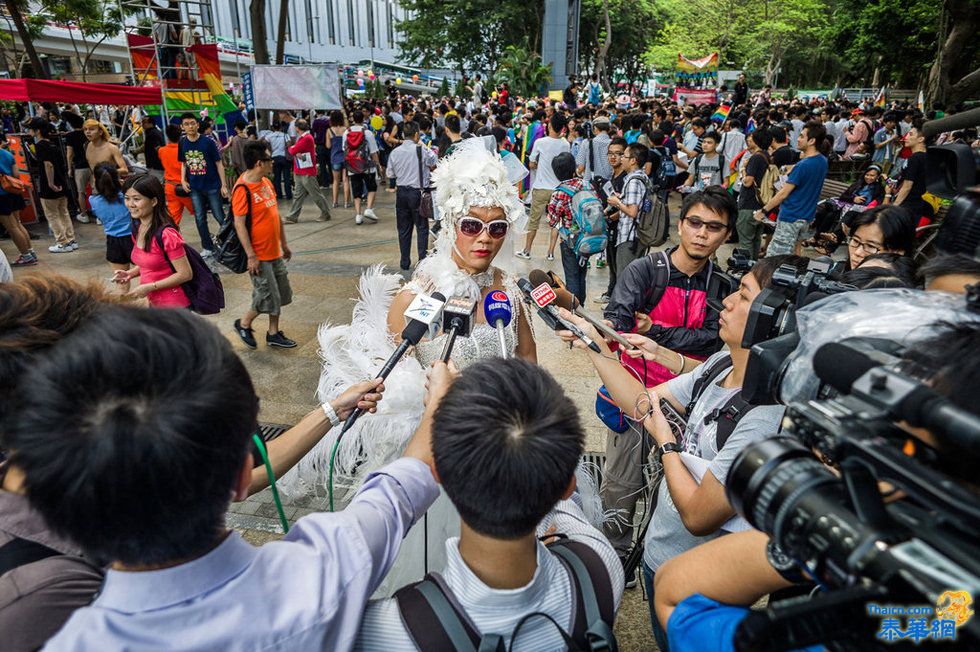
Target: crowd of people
<point>115,485</point>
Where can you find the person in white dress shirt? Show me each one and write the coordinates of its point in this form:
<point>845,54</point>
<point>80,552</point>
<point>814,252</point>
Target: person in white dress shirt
<point>506,441</point>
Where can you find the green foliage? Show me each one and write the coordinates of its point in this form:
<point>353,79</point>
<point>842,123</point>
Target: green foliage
<point>523,71</point>
<point>444,88</point>
<point>467,34</point>
<point>810,42</point>
<point>634,23</point>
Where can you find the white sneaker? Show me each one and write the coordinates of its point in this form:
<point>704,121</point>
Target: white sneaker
<point>369,213</point>
<point>207,253</point>
<point>83,218</point>
<point>73,245</point>
<point>523,254</point>
<point>61,249</point>
<point>359,219</point>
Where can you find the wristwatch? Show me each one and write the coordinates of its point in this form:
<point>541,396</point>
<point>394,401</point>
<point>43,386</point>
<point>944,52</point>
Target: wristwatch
<point>670,447</point>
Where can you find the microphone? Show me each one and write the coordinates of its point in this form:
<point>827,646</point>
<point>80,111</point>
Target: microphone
<point>543,296</point>
<point>849,370</point>
<point>568,301</point>
<point>422,312</point>
<point>457,319</point>
<point>497,311</point>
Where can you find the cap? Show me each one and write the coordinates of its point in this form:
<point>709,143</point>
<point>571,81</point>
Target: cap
<point>601,120</point>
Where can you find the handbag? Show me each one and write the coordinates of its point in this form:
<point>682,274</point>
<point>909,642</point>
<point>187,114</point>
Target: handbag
<point>229,250</point>
<point>11,184</point>
<point>425,206</point>
<point>180,192</point>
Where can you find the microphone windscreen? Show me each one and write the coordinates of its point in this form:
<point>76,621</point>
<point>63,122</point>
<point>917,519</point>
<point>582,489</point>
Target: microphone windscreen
<point>496,307</point>
<point>839,365</point>
<point>537,277</point>
<point>415,330</point>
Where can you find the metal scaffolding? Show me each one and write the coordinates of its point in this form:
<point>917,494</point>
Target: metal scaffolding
<point>174,26</point>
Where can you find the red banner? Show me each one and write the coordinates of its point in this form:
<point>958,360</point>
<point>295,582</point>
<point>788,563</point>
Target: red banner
<point>694,96</point>
<point>43,90</point>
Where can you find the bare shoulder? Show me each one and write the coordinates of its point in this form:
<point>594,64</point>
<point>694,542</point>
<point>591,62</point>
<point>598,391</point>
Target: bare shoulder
<point>396,312</point>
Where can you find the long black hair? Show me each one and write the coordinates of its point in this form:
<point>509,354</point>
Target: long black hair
<point>149,186</point>
<point>107,182</point>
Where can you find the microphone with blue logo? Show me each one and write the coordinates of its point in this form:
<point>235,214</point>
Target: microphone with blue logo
<point>498,313</point>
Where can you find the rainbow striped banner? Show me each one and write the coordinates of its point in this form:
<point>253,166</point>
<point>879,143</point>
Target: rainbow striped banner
<point>722,113</point>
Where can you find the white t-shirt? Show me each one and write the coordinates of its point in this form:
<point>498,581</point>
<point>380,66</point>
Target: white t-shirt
<point>544,152</point>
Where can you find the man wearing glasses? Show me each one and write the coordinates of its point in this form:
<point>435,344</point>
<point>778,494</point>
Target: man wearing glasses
<point>618,171</point>
<point>260,230</point>
<point>664,296</point>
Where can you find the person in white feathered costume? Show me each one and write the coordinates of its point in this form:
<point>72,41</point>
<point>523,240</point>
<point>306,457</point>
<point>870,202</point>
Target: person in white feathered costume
<point>475,194</point>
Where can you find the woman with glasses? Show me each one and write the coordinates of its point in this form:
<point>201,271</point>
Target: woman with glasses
<point>481,216</point>
<point>886,229</point>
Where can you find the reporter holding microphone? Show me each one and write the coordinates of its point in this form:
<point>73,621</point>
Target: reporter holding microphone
<point>687,511</point>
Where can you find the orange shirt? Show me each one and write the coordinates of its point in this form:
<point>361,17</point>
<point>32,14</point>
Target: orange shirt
<point>266,230</point>
<point>171,166</point>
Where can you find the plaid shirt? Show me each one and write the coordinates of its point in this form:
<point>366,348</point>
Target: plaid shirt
<point>560,206</point>
<point>634,192</point>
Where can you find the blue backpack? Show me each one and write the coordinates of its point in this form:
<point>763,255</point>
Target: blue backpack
<point>587,235</point>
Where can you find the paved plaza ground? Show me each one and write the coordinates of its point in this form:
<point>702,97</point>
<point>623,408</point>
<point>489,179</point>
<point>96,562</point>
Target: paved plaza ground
<point>328,259</point>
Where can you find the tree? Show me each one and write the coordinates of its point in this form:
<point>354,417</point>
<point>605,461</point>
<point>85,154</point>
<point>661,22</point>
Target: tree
<point>444,87</point>
<point>958,56</point>
<point>467,34</point>
<point>631,22</point>
<point>523,71</point>
<point>260,39</point>
<point>281,32</point>
<point>93,20</point>
<point>16,10</point>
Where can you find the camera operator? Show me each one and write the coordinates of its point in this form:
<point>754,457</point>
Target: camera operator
<point>703,594</point>
<point>687,512</point>
<point>138,468</point>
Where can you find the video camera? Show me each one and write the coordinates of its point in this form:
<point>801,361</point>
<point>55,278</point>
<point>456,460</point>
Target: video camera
<point>859,548</point>
<point>770,330</point>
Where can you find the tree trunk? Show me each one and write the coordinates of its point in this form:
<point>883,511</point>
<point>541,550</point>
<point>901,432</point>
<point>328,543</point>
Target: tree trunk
<point>260,40</point>
<point>281,32</point>
<point>15,15</point>
<point>771,67</point>
<point>600,62</point>
<point>962,21</point>
<point>965,88</point>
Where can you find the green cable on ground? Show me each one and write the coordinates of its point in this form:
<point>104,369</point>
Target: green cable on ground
<point>272,482</point>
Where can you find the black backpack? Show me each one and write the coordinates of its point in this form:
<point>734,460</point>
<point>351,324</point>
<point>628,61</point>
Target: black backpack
<point>204,290</point>
<point>435,620</point>
<point>228,248</point>
<point>729,414</point>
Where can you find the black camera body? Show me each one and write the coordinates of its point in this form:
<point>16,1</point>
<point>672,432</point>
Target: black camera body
<point>840,529</point>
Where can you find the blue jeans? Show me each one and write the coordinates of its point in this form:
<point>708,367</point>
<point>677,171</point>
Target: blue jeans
<point>213,199</point>
<point>659,633</point>
<point>574,272</point>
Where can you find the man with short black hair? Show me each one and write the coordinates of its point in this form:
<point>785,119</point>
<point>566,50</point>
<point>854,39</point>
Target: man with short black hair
<point>544,183</point>
<point>263,238</point>
<point>180,402</point>
<point>628,205</point>
<point>505,442</point>
<point>202,175</point>
<point>797,199</point>
<point>782,154</point>
<point>404,165</point>
<point>591,157</point>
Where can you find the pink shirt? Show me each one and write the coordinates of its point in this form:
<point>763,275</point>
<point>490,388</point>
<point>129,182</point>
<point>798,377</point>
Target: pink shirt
<point>304,156</point>
<point>153,267</point>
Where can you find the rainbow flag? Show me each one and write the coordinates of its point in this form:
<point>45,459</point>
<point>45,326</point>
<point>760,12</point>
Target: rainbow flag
<point>880,98</point>
<point>143,56</point>
<point>722,113</point>
<point>534,131</point>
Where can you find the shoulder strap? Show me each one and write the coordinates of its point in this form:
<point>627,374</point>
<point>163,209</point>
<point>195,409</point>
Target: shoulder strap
<point>710,375</point>
<point>159,238</point>
<point>20,552</point>
<point>418,151</point>
<point>595,607</point>
<point>434,620</point>
<point>728,417</point>
<point>248,214</point>
<point>661,276</point>
<point>565,189</point>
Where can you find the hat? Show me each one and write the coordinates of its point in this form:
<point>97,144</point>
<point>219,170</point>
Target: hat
<point>857,112</point>
<point>601,120</point>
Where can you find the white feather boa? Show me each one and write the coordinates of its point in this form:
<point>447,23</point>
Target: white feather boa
<point>351,354</point>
